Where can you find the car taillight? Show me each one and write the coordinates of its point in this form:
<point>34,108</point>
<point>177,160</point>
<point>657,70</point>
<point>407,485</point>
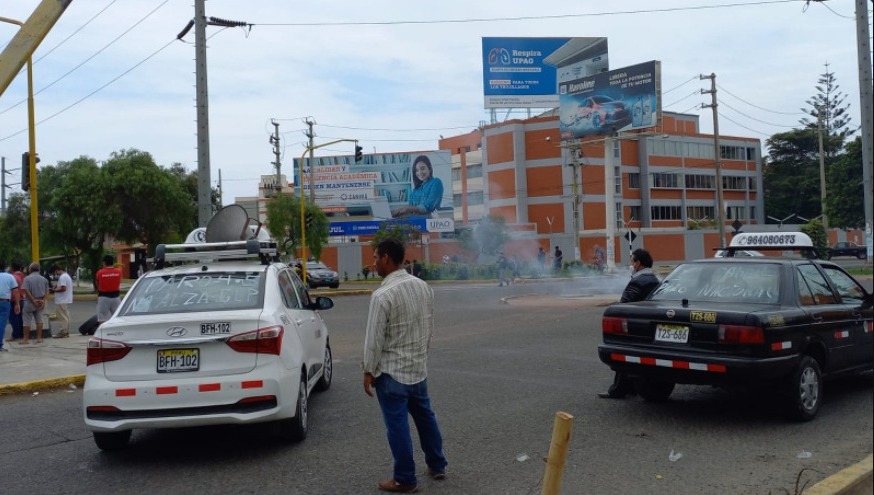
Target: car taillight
<point>741,334</point>
<point>103,350</point>
<point>262,341</point>
<point>614,325</point>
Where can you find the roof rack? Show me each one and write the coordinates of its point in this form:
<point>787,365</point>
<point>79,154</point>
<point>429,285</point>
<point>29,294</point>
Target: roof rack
<point>772,241</point>
<point>265,250</point>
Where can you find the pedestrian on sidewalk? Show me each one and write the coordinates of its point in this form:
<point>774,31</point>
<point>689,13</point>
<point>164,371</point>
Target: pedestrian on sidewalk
<point>400,324</point>
<point>541,260</point>
<point>36,290</point>
<point>63,291</point>
<point>15,320</point>
<point>108,289</point>
<point>8,300</point>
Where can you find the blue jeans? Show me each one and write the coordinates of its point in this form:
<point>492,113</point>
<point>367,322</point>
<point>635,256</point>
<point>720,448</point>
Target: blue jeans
<point>5,310</point>
<point>397,400</point>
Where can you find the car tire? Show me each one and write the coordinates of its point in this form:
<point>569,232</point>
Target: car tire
<point>295,429</point>
<point>805,390</point>
<point>112,440</point>
<point>327,377</point>
<point>862,256</point>
<point>654,390</point>
<point>335,286</point>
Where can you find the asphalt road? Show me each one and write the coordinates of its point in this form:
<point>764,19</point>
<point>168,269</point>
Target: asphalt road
<point>498,375</point>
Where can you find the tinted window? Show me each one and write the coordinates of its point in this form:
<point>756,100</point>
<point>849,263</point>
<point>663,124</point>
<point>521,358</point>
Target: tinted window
<point>849,290</point>
<point>286,288</point>
<point>192,292</point>
<point>757,283</point>
<point>822,293</point>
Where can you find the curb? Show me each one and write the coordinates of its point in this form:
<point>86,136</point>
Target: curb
<point>37,385</point>
<point>857,479</point>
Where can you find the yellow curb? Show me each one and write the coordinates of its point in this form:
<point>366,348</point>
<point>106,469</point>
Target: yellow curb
<point>857,479</point>
<point>37,385</point>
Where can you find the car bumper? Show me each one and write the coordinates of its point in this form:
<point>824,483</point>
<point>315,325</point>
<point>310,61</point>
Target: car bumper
<point>232,399</point>
<point>692,368</point>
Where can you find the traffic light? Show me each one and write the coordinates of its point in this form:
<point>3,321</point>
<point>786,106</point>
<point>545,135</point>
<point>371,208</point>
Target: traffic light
<point>308,220</point>
<point>25,170</point>
<point>358,153</point>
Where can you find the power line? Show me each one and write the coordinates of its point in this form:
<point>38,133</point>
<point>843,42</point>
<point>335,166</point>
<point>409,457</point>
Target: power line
<point>741,125</point>
<point>757,106</point>
<point>520,18</point>
<point>753,118</point>
<point>394,130</point>
<point>681,84</point>
<point>697,91</point>
<point>46,54</point>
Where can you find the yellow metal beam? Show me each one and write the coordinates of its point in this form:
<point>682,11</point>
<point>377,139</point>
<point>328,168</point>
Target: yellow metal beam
<point>25,41</point>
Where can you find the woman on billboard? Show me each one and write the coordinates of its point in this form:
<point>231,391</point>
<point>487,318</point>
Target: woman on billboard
<point>427,190</point>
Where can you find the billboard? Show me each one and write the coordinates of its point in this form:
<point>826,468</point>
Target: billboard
<point>618,100</point>
<point>381,187</point>
<point>525,72</point>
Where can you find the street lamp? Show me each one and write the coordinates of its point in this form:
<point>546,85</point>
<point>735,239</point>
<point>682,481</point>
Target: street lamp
<point>31,138</point>
<point>780,221</point>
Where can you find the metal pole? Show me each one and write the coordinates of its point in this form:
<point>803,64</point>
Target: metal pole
<point>312,136</point>
<point>204,192</point>
<point>865,95</point>
<point>821,171</point>
<point>3,183</point>
<point>575,150</point>
<point>610,203</point>
<point>720,201</point>
<point>276,163</point>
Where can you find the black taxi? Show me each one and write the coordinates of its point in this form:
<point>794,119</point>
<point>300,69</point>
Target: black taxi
<point>781,321</point>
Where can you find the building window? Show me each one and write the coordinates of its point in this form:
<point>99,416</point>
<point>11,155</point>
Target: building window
<point>735,212</point>
<point>751,184</point>
<point>700,212</point>
<point>473,198</point>
<point>635,213</point>
<point>734,183</point>
<point>751,154</point>
<point>695,181</point>
<point>666,212</point>
<point>617,174</point>
<point>474,171</point>
<point>665,180</point>
<point>634,180</point>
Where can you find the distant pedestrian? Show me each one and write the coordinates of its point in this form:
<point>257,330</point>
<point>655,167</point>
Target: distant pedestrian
<point>35,289</point>
<point>63,291</point>
<point>445,259</point>
<point>8,300</point>
<point>541,260</point>
<point>557,259</point>
<point>108,289</point>
<point>408,267</point>
<point>400,325</point>
<point>643,282</point>
<point>417,269</point>
<point>15,319</point>
<point>503,266</point>
<point>515,269</point>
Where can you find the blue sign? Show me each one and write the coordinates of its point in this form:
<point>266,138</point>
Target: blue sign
<point>370,227</point>
<point>526,72</point>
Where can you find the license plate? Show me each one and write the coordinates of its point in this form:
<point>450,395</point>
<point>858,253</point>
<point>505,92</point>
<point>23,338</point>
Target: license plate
<point>178,360</point>
<point>215,328</point>
<point>678,334</point>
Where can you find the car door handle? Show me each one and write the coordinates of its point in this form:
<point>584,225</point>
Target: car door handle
<point>817,319</point>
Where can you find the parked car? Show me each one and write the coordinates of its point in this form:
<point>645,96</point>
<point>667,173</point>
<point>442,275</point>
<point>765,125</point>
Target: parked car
<point>602,110</point>
<point>780,322</point>
<point>319,274</point>
<point>223,340</point>
<point>846,248</point>
<point>748,253</point>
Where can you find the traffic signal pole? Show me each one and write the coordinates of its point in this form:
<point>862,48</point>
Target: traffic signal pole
<point>303,235</point>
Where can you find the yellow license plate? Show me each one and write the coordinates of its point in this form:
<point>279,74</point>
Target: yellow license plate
<point>178,360</point>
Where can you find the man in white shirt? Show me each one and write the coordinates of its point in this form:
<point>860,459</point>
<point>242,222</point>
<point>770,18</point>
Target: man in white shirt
<point>63,292</point>
<point>399,329</point>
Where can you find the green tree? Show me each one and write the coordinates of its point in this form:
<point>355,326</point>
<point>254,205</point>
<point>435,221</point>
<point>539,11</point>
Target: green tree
<point>816,231</point>
<point>403,232</point>
<point>488,237</point>
<point>829,102</point>
<point>791,174</point>
<point>846,194</point>
<point>15,228</point>
<point>285,226</point>
<point>189,183</point>
<point>154,205</point>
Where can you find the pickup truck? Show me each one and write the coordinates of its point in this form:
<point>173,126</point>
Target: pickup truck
<point>846,248</point>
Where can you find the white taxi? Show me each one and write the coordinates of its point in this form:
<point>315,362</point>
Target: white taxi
<point>221,339</point>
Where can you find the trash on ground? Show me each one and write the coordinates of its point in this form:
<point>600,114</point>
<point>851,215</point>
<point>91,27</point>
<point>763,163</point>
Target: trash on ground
<point>522,457</point>
<point>674,457</point>
<point>804,454</point>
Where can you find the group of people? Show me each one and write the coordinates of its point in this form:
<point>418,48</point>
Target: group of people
<point>24,299</point>
<point>414,268</point>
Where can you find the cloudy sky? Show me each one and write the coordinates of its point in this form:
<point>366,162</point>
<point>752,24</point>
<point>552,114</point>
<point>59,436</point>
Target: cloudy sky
<point>394,74</point>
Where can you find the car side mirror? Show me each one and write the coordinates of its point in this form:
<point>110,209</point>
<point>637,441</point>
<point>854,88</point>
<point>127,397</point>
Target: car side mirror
<point>322,303</point>
<point>868,301</point>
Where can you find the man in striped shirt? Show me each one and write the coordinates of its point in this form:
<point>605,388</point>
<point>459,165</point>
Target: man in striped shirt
<point>399,328</point>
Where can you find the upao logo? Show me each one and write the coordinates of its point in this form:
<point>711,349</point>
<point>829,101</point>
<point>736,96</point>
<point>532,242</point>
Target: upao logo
<point>499,56</point>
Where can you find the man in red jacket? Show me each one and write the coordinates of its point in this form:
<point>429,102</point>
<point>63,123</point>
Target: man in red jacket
<point>108,281</point>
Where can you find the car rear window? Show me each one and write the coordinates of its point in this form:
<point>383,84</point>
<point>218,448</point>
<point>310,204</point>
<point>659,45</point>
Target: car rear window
<point>754,283</point>
<point>194,292</point>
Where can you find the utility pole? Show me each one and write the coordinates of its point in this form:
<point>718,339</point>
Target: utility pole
<point>821,170</point>
<point>610,202</point>
<point>274,140</point>
<point>220,194</point>
<point>204,192</point>
<point>3,173</point>
<point>309,133</point>
<point>575,162</point>
<point>720,202</point>
<point>863,51</point>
